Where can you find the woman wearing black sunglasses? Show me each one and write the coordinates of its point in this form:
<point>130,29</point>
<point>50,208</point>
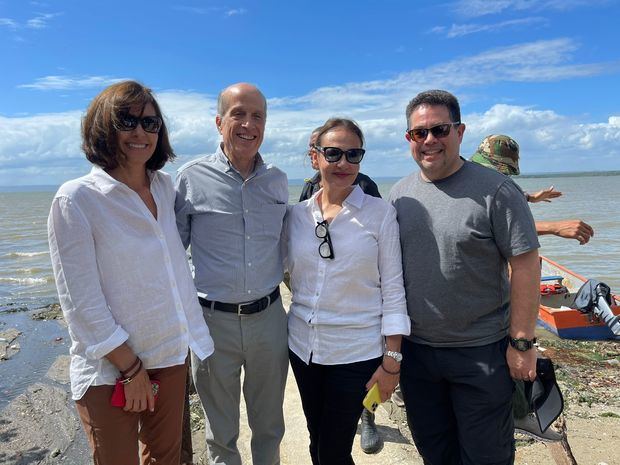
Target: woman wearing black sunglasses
<point>348,310</point>
<point>124,283</point>
<point>313,184</point>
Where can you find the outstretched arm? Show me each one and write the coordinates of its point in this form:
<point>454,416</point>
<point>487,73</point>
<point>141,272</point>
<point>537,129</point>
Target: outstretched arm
<point>544,195</point>
<point>569,229</point>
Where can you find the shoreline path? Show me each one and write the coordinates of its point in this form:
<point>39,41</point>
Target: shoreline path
<point>40,425</point>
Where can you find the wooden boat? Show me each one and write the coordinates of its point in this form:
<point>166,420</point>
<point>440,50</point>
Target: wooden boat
<point>558,288</point>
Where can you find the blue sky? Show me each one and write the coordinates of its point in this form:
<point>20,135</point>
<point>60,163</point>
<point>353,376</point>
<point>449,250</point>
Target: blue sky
<point>546,72</point>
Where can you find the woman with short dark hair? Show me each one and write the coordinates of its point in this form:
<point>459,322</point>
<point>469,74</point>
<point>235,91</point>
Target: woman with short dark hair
<point>124,283</point>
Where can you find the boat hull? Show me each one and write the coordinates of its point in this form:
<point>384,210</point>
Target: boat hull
<point>554,314</point>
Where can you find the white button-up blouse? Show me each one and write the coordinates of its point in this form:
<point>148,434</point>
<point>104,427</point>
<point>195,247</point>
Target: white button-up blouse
<point>122,276</point>
<point>342,308</point>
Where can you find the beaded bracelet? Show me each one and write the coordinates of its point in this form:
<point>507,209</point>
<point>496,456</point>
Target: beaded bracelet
<point>390,372</point>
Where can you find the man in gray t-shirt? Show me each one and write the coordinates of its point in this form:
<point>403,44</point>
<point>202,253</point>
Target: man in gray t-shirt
<point>461,225</point>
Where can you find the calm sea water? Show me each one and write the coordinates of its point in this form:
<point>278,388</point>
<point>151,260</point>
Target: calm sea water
<point>26,278</point>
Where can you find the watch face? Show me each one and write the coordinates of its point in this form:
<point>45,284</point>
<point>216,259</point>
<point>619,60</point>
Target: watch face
<point>522,345</point>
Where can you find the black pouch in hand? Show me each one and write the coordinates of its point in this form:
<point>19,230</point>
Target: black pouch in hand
<point>544,394</point>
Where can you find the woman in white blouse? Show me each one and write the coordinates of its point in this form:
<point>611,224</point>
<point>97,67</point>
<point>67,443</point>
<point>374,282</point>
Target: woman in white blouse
<point>348,311</point>
<point>124,283</point>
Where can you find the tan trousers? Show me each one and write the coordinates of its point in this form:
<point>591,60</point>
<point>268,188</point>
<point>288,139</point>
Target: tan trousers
<point>258,345</point>
<point>114,434</point>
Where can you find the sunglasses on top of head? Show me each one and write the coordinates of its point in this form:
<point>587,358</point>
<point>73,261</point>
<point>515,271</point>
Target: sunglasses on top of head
<point>439,131</point>
<point>127,122</point>
<point>334,154</point>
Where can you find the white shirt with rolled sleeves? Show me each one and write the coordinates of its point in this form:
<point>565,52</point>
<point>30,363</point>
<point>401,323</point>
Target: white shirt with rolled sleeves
<point>122,276</point>
<point>342,308</point>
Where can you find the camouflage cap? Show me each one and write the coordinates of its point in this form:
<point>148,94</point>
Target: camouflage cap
<point>498,152</point>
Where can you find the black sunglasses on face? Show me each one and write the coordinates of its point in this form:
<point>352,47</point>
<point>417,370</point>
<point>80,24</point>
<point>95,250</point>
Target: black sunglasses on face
<point>326,250</point>
<point>439,131</point>
<point>150,124</point>
<point>334,154</point>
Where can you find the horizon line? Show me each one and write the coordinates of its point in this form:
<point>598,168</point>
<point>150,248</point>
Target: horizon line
<point>301,180</point>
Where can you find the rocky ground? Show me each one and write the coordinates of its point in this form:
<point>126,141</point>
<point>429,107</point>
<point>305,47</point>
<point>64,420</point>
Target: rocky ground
<point>39,425</point>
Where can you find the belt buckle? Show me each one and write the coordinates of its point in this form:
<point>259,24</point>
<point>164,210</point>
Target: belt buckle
<point>240,308</point>
<point>258,301</point>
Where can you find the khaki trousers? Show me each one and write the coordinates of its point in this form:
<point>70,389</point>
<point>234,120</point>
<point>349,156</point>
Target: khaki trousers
<point>258,345</point>
<point>114,434</point>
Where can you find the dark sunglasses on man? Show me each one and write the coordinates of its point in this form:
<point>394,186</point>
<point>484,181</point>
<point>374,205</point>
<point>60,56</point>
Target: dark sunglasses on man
<point>127,122</point>
<point>334,154</point>
<point>326,250</point>
<point>440,131</point>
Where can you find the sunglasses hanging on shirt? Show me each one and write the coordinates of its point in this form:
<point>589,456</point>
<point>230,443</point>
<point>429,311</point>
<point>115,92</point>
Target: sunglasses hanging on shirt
<point>326,249</point>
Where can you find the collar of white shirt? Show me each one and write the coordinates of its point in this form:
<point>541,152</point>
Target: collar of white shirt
<point>107,183</point>
<point>355,199</point>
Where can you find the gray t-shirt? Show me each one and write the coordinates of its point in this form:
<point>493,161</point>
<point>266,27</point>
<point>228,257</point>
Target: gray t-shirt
<point>457,234</point>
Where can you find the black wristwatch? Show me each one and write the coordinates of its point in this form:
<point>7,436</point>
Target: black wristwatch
<point>522,344</point>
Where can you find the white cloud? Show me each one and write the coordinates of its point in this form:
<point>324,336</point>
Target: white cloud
<point>197,10</point>
<point>41,21</point>
<point>8,22</point>
<point>548,141</point>
<point>236,12</point>
<point>50,143</point>
<point>459,30</point>
<point>70,82</point>
<point>546,60</point>
<point>190,118</point>
<point>476,8</point>
<point>209,10</point>
<point>42,143</point>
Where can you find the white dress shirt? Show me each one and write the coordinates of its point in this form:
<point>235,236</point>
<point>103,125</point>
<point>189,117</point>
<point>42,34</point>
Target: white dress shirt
<point>122,276</point>
<point>342,308</point>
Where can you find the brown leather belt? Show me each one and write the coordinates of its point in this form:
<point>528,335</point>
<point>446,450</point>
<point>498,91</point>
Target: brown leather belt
<point>245,308</point>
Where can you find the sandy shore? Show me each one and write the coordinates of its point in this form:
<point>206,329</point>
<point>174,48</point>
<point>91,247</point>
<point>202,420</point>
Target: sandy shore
<point>39,426</point>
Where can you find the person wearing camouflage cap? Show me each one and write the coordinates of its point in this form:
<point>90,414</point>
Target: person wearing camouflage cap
<point>498,152</point>
<point>501,153</point>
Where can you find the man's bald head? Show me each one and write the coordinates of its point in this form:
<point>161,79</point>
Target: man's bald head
<point>223,99</point>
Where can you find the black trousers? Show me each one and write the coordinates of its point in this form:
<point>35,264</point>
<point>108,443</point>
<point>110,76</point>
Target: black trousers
<point>331,396</point>
<point>459,403</point>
